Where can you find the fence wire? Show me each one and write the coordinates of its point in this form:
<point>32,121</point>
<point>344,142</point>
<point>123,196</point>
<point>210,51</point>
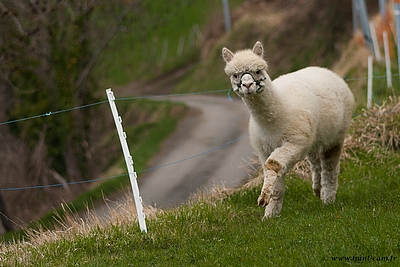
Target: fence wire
<point>150,97</point>
<point>50,113</point>
<point>47,114</point>
<point>125,174</point>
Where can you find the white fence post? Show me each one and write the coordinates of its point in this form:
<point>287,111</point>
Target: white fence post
<point>164,54</point>
<point>382,8</point>
<point>181,44</point>
<point>397,20</point>
<point>369,90</point>
<point>356,24</point>
<point>387,60</point>
<point>227,15</point>
<point>128,161</point>
<point>375,42</point>
<point>360,11</point>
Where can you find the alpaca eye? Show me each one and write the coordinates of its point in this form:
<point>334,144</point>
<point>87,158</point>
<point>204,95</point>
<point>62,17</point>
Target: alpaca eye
<point>258,72</point>
<point>235,76</point>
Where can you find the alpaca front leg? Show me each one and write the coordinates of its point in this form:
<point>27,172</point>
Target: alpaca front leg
<point>272,194</point>
<point>274,206</point>
<point>273,190</point>
<point>270,178</point>
<point>280,160</point>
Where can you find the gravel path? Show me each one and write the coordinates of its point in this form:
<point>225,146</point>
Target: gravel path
<point>212,121</point>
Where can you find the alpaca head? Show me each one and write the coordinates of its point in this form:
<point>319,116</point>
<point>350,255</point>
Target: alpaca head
<point>246,69</point>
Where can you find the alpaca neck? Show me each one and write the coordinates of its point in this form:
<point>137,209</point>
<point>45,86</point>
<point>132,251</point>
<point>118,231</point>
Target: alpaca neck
<point>264,107</point>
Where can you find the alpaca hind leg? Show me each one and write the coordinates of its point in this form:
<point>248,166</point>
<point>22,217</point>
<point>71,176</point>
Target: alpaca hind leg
<point>330,172</point>
<point>315,163</point>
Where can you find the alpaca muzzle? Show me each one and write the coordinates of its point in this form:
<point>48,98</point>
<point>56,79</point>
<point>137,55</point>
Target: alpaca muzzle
<point>248,84</point>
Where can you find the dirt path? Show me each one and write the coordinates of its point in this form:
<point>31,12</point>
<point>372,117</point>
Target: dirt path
<point>212,121</point>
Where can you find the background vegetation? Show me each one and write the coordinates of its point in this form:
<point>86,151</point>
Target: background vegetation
<point>56,56</point>
<point>225,228</point>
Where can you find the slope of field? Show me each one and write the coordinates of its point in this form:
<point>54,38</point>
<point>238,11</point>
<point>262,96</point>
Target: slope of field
<point>295,34</point>
<point>226,227</point>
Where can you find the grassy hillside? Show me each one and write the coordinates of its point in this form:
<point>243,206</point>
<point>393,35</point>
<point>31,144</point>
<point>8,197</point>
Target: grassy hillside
<point>291,39</point>
<point>226,229</point>
<point>158,37</point>
<point>320,35</point>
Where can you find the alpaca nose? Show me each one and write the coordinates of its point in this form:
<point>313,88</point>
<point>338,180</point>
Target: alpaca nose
<point>247,81</point>
<point>247,85</point>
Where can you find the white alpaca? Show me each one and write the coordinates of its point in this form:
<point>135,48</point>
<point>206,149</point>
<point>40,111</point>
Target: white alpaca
<point>301,114</point>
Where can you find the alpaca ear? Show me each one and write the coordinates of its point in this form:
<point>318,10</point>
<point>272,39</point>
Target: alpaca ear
<point>258,49</point>
<point>227,54</point>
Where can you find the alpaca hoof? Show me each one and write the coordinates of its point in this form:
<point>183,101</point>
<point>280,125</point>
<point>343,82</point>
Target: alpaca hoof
<point>263,200</point>
<point>317,193</point>
<point>272,211</point>
<point>329,200</point>
<point>328,197</point>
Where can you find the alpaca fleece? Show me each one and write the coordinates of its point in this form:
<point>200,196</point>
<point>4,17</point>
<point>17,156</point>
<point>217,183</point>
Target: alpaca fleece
<point>306,113</point>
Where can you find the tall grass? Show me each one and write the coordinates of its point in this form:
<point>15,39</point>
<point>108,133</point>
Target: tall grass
<point>230,231</point>
<point>225,228</point>
<point>360,228</point>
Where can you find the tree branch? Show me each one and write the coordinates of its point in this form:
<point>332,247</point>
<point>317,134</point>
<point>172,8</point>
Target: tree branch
<point>14,18</point>
<point>103,44</point>
<point>13,86</point>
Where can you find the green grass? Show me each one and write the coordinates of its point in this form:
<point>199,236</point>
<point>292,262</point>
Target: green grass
<point>230,232</point>
<point>380,88</point>
<point>357,80</point>
<point>148,42</point>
